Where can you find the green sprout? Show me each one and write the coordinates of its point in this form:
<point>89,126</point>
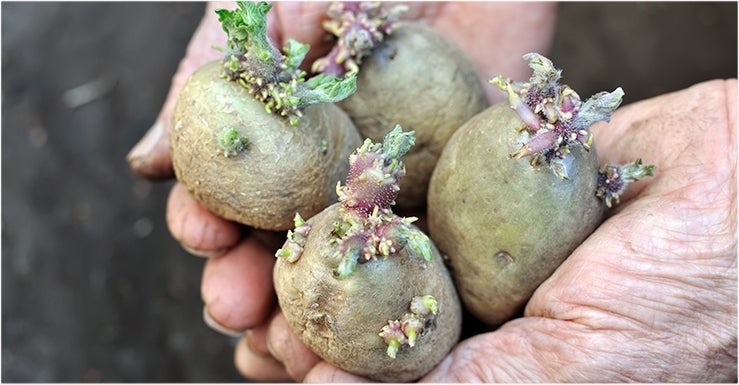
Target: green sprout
<point>270,76</point>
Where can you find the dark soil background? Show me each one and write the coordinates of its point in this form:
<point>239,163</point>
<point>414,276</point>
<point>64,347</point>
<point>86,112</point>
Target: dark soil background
<point>93,286</point>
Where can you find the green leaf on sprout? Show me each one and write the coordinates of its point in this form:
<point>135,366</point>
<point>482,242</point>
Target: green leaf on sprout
<point>543,69</point>
<point>346,266</point>
<point>294,54</point>
<point>246,28</point>
<point>396,142</point>
<point>417,241</point>
<point>324,88</point>
<point>231,141</point>
<point>599,107</point>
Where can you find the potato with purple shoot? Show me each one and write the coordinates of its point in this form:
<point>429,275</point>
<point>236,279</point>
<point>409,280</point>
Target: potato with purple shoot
<point>517,189</point>
<point>254,140</point>
<point>362,287</point>
<point>408,74</point>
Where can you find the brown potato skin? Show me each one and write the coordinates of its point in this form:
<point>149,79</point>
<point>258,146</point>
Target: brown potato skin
<point>340,320</point>
<point>285,169</point>
<point>421,80</point>
<point>482,203</point>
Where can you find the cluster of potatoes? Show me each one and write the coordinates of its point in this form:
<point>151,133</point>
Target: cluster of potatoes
<point>495,224</point>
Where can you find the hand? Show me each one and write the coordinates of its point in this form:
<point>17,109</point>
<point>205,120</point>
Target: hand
<point>651,295</point>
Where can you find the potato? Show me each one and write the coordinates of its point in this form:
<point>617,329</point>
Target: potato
<point>409,75</point>
<point>504,225</point>
<point>363,288</point>
<point>283,170</point>
<point>341,319</point>
<point>514,192</point>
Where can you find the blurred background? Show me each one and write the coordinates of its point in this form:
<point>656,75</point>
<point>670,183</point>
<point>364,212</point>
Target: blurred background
<point>93,286</point>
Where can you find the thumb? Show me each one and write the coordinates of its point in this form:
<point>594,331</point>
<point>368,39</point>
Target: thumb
<point>150,157</point>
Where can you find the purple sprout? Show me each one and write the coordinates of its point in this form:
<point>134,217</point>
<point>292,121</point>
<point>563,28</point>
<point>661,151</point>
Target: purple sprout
<point>613,179</point>
<point>359,27</point>
<point>368,228</point>
<point>293,248</point>
<point>554,114</point>
<point>406,330</point>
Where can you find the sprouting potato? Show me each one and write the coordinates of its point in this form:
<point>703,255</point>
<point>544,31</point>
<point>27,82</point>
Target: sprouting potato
<point>363,288</point>
<point>517,189</point>
<point>252,139</point>
<point>408,74</point>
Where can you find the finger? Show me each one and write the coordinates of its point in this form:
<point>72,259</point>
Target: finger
<point>301,21</point>
<point>256,338</point>
<point>287,348</point>
<point>524,350</point>
<point>470,25</point>
<point>237,286</point>
<point>150,158</point>
<point>199,231</point>
<point>326,373</point>
<point>257,366</point>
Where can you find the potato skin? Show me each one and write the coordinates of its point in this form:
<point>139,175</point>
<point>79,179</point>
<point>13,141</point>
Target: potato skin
<point>285,169</point>
<point>340,320</point>
<point>421,80</point>
<point>504,225</point>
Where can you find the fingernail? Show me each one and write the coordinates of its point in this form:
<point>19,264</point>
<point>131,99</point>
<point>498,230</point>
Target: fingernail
<point>218,327</point>
<point>205,253</point>
<point>143,148</point>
